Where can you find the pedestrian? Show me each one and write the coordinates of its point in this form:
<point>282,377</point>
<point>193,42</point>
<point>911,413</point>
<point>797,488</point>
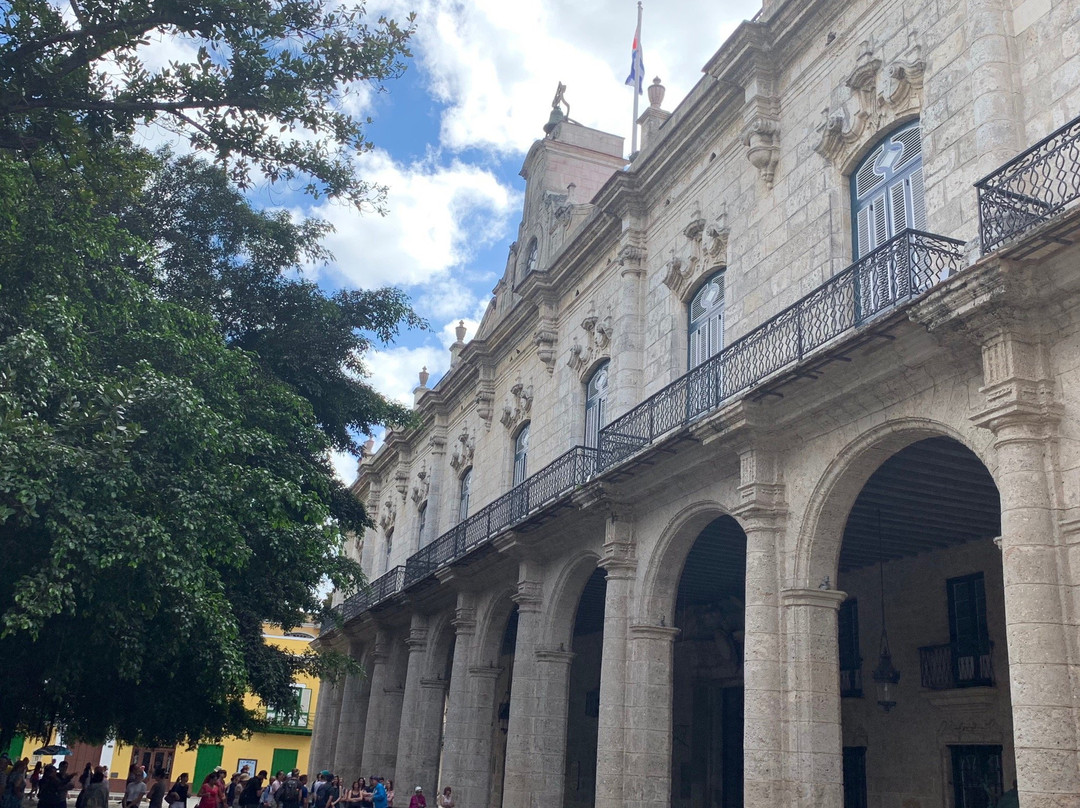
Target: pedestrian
<point>208,795</point>
<point>159,787</point>
<point>134,789</point>
<point>97,791</point>
<point>249,794</point>
<point>366,789</point>
<point>15,785</point>
<point>333,791</point>
<point>290,794</point>
<point>322,793</point>
<point>35,778</point>
<point>50,789</point>
<point>418,800</point>
<point>390,794</point>
<point>378,794</point>
<point>178,794</point>
<point>445,800</point>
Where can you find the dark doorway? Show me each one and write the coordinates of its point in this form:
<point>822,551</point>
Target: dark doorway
<point>583,708</point>
<point>707,687</point>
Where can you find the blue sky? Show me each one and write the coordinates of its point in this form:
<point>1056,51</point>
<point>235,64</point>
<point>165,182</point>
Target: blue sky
<point>451,134</point>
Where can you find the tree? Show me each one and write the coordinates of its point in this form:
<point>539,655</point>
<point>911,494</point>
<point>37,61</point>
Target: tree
<point>161,494</point>
<point>268,84</point>
<point>215,253</point>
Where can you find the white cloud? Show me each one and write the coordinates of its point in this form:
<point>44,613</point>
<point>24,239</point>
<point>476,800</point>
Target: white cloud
<point>439,215</point>
<point>393,371</point>
<point>345,466</point>
<point>496,64</point>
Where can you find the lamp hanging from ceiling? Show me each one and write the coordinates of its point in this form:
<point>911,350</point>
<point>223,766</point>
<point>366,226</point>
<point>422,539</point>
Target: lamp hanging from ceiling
<point>885,675</point>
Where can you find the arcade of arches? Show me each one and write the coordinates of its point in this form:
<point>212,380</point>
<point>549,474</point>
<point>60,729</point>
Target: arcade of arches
<point>685,673</point>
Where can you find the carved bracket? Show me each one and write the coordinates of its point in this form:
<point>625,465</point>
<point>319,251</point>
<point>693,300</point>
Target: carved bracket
<point>706,249</point>
<point>842,132</point>
<point>462,456</point>
<point>597,339</point>
<point>388,515</point>
<point>547,333</point>
<point>518,405</point>
<point>421,486</point>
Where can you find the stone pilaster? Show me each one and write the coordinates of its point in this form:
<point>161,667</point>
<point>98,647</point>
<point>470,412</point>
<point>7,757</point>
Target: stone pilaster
<point>352,721</point>
<point>619,564</point>
<point>467,743</point>
<point>628,325</point>
<point>414,763</point>
<point>384,712</point>
<point>813,756</point>
<point>525,778</point>
<point>762,514</point>
<point>553,692</point>
<point>1022,415</point>
<point>993,102</point>
<point>327,716</point>
<point>647,757</point>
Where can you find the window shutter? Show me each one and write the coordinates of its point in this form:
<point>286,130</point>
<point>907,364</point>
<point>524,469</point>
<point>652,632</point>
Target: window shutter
<point>918,200</point>
<point>881,225</point>
<point>899,209</point>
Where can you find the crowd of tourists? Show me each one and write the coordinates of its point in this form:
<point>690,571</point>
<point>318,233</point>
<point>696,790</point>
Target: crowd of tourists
<point>50,785</point>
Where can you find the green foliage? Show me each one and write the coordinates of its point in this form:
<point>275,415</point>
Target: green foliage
<point>265,85</point>
<point>161,494</point>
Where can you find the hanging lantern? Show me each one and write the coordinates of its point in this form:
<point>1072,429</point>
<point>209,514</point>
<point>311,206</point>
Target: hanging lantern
<point>886,677</point>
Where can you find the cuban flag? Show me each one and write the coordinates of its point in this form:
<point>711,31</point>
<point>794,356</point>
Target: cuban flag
<point>637,65</point>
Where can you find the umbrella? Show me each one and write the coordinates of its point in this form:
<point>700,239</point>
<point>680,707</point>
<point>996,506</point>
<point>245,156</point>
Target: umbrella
<point>53,749</point>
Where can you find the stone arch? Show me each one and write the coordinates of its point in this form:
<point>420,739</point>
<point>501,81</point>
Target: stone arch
<point>663,569</point>
<point>817,550</point>
<point>558,626</point>
<point>490,626</point>
<point>440,641</point>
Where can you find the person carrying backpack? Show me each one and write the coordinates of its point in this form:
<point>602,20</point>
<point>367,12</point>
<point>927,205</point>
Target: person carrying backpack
<point>290,792</point>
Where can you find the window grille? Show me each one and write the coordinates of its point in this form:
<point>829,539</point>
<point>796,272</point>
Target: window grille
<point>887,190</point>
<point>706,329</point>
<point>596,393</point>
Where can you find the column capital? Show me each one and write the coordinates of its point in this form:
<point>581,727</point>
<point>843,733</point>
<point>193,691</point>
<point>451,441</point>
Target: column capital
<point>417,639</point>
<point>464,621</point>
<point>820,598</point>
<point>528,596</point>
<point>641,631</point>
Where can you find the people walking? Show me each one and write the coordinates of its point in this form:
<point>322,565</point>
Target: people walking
<point>50,789</point>
<point>445,799</point>
<point>134,789</point>
<point>290,793</point>
<point>250,793</point>
<point>159,787</point>
<point>178,794</point>
<point>97,790</point>
<point>15,785</point>
<point>418,800</point>
<point>35,778</point>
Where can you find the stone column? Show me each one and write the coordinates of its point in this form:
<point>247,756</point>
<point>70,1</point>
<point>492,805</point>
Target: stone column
<point>619,566</point>
<point>325,732</point>
<point>553,691</point>
<point>330,751</point>
<point>987,33</point>
<point>524,778</point>
<point>349,749</point>
<point>813,756</point>
<point>421,715</point>
<point>647,758</point>
<point>384,713</point>
<point>762,516</point>
<point>1023,417</point>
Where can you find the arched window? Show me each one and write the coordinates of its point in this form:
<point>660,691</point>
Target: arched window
<point>596,392</point>
<point>887,190</point>
<point>463,494</point>
<point>389,549</point>
<point>421,523</point>
<point>707,320</point>
<point>531,256</point>
<point>521,454</point>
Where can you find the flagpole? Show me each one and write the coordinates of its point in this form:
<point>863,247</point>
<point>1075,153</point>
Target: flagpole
<point>637,90</point>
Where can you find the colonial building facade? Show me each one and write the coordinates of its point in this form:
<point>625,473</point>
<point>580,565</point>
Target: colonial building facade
<point>760,482</point>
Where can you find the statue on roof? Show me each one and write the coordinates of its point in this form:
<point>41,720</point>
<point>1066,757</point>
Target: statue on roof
<point>557,115</point>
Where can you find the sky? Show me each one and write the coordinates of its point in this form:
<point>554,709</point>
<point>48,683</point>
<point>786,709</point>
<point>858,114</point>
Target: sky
<point>451,134</point>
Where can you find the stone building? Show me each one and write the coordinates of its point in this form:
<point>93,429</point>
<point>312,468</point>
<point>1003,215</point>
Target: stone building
<point>760,482</point>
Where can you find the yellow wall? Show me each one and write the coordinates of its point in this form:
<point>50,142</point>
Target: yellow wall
<point>261,745</point>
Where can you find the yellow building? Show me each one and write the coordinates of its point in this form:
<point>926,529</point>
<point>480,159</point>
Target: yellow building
<point>283,747</point>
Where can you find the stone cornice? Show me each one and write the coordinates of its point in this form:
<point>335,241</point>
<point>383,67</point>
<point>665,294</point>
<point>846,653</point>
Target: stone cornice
<point>820,598</point>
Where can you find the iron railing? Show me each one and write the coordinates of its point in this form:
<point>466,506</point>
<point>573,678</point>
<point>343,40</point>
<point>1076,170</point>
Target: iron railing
<point>898,270</point>
<point>902,268</point>
<point>551,483</point>
<point>1030,188</point>
<point>947,667</point>
<point>851,683</point>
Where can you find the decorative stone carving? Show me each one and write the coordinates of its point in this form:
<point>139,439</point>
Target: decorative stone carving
<point>518,405</point>
<point>462,455</point>
<point>842,134</point>
<point>421,486</point>
<point>706,249</point>
<point>547,331</point>
<point>388,515</point>
<point>761,116</point>
<point>401,482</point>
<point>597,339</point>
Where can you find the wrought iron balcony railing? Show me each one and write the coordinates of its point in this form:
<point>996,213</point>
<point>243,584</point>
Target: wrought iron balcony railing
<point>1030,188</point>
<point>900,269</point>
<point>948,667</point>
<point>554,481</point>
<point>851,683</point>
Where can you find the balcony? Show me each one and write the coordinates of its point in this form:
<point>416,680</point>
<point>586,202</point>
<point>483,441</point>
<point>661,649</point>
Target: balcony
<point>898,271</point>
<point>948,667</point>
<point>1030,189</point>
<point>289,723</point>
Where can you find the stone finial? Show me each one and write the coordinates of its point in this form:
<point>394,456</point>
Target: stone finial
<point>369,447</point>
<point>656,93</point>
<point>460,330</point>
<point>459,343</point>
<point>424,376</point>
